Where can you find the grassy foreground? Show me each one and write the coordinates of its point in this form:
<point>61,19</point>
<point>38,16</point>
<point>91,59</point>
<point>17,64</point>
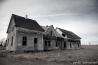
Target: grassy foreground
<point>87,55</point>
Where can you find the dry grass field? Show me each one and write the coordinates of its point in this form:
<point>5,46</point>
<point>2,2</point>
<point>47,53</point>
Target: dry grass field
<point>87,55</point>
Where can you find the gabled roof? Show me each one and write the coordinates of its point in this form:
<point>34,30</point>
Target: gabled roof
<point>56,33</point>
<point>69,34</point>
<point>45,27</point>
<point>26,23</point>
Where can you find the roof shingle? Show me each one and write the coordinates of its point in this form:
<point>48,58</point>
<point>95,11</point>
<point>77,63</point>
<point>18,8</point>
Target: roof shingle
<point>26,23</point>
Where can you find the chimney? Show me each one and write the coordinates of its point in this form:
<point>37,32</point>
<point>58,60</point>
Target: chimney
<point>26,16</point>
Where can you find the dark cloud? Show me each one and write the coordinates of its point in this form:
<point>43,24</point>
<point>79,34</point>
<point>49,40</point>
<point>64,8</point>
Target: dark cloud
<point>1,1</point>
<point>69,6</point>
<point>96,5</point>
<point>77,15</point>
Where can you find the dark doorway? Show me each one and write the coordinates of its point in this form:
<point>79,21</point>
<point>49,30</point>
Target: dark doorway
<point>45,45</point>
<point>24,40</point>
<point>64,44</point>
<point>35,44</point>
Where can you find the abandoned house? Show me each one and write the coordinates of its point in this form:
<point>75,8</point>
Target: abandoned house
<point>25,34</point>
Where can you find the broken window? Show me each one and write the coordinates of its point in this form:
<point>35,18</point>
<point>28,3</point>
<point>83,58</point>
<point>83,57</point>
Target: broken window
<point>35,40</point>
<point>64,44</point>
<point>24,40</point>
<point>47,43</point>
<point>56,44</point>
<point>63,35</point>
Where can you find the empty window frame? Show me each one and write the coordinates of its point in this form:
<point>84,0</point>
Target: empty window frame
<point>63,35</point>
<point>24,40</point>
<point>48,43</point>
<point>35,40</point>
<point>56,44</point>
<point>70,45</point>
<point>45,43</point>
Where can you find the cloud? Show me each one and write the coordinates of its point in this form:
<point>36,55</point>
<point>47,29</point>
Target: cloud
<point>79,16</point>
<point>2,1</point>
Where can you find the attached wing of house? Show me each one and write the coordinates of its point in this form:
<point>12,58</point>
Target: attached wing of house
<point>50,28</point>
<point>72,40</point>
<point>68,34</point>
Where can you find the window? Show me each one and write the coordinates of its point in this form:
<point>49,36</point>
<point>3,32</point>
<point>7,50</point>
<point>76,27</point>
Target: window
<point>56,44</point>
<point>64,44</point>
<point>47,43</point>
<point>78,45</point>
<point>70,45</point>
<point>63,35</point>
<point>35,40</point>
<point>12,41</point>
<point>24,41</point>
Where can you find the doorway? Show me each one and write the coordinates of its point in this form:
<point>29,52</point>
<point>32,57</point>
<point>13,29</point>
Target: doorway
<point>64,44</point>
<point>35,44</point>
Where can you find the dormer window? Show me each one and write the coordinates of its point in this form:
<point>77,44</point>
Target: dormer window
<point>63,35</point>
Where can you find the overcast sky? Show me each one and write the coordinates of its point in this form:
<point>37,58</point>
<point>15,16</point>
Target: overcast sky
<point>79,16</point>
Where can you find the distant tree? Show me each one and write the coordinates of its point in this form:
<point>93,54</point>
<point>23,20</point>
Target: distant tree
<point>2,42</point>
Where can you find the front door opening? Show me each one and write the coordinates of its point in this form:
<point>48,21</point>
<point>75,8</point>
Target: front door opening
<point>35,43</point>
<point>64,44</point>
